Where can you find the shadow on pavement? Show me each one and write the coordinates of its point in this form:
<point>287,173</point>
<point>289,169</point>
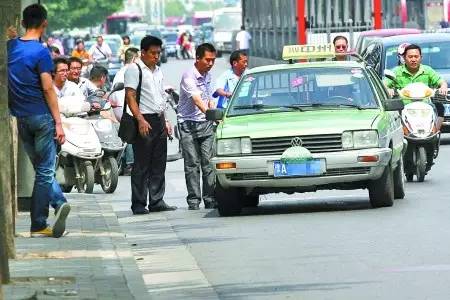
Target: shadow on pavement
<point>254,290</point>
<point>301,206</point>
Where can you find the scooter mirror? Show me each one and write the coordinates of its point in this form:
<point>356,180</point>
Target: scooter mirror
<point>118,87</point>
<point>390,75</point>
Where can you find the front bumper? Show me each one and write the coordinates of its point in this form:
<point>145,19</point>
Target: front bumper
<point>341,167</point>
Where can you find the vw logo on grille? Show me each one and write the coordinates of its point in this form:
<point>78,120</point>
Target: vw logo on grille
<point>296,142</point>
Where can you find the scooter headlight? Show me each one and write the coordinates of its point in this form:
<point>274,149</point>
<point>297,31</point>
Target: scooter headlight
<point>103,125</point>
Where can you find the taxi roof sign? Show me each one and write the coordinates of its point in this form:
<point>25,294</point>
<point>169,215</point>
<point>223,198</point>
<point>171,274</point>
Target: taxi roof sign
<point>308,51</point>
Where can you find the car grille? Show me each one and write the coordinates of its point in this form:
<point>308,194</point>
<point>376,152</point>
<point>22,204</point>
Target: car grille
<point>330,172</point>
<point>314,143</point>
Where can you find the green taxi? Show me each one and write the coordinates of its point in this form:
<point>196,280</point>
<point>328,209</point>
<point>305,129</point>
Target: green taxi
<point>303,127</point>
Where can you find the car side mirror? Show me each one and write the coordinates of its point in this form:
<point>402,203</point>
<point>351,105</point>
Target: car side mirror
<point>393,105</point>
<point>215,114</point>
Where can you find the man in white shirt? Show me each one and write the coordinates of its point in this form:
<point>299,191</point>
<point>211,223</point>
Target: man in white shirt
<point>227,81</point>
<point>74,75</point>
<point>243,39</point>
<point>100,50</point>
<point>117,99</point>
<point>150,147</point>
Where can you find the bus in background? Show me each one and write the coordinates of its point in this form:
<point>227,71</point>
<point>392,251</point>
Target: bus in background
<point>201,17</point>
<point>226,22</point>
<point>118,23</point>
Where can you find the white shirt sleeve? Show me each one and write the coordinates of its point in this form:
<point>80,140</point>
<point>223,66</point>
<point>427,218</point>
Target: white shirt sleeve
<point>107,49</point>
<point>131,79</point>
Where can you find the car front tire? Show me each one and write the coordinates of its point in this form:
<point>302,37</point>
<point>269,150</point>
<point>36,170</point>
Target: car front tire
<point>228,200</point>
<point>399,182</point>
<point>381,190</point>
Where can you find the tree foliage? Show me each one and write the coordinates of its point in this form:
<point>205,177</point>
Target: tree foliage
<point>79,13</point>
<point>174,8</point>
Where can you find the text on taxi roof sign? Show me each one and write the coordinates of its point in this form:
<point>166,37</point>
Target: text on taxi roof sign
<point>308,51</point>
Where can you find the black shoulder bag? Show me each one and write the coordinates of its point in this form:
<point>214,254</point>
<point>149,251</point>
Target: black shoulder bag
<point>128,129</point>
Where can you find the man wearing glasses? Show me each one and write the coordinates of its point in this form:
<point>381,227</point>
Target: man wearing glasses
<point>62,86</point>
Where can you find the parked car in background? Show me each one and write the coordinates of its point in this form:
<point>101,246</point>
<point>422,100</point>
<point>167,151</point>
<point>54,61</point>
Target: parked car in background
<point>381,54</point>
<point>170,42</point>
<point>114,42</point>
<point>366,37</point>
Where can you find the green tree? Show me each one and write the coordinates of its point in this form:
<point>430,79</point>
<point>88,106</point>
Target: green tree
<point>80,13</point>
<point>174,8</point>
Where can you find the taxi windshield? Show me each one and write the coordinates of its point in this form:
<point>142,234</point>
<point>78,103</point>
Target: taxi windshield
<point>303,89</point>
<point>434,55</point>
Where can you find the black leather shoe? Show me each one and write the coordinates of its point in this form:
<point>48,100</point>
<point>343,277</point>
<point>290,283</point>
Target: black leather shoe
<point>194,206</point>
<point>210,205</point>
<point>142,211</point>
<point>163,207</point>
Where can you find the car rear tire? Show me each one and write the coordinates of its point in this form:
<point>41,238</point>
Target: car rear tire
<point>250,200</point>
<point>399,182</point>
<point>228,202</point>
<point>381,190</point>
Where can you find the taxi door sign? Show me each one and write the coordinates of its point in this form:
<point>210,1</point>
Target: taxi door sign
<point>308,51</point>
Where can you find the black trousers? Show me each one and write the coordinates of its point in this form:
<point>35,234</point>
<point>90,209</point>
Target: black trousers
<point>150,156</point>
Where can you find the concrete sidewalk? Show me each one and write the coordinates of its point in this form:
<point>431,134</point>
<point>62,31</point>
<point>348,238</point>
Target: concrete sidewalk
<point>94,261</point>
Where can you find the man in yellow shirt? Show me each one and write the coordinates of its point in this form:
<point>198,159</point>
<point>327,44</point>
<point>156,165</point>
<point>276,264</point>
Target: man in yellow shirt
<point>80,52</point>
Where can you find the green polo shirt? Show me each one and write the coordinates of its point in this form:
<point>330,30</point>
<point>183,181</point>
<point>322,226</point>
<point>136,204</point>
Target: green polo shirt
<point>425,75</point>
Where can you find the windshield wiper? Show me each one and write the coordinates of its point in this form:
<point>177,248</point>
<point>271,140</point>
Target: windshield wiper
<point>337,104</point>
<point>262,106</point>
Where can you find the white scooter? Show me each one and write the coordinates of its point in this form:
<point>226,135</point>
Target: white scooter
<point>419,126</point>
<point>80,154</point>
<point>107,171</point>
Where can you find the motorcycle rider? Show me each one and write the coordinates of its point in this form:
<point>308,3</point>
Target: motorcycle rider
<point>74,75</point>
<point>61,85</point>
<point>413,71</point>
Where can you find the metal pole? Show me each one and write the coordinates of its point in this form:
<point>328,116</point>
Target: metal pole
<point>377,14</point>
<point>301,22</point>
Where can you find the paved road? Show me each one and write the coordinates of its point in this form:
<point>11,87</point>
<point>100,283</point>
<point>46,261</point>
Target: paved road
<point>324,245</point>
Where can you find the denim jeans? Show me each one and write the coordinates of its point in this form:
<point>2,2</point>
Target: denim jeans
<point>197,140</point>
<point>37,133</point>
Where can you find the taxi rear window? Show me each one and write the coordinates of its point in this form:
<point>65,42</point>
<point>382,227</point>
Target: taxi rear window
<point>302,87</point>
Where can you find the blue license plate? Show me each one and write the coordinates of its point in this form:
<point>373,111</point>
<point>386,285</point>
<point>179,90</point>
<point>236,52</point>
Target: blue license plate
<point>308,168</point>
<point>447,109</point>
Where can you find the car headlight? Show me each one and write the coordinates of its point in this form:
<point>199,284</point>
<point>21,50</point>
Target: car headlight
<point>234,146</point>
<point>360,139</point>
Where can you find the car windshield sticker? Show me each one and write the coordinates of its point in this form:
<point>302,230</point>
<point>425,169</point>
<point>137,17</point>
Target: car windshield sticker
<point>357,73</point>
<point>329,80</point>
<point>249,79</point>
<point>297,82</point>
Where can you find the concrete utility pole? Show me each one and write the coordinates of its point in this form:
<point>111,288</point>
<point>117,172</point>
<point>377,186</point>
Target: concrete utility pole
<point>9,15</point>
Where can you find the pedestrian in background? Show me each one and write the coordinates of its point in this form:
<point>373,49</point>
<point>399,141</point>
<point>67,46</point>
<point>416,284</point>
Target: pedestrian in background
<point>227,81</point>
<point>150,148</point>
<point>33,101</point>
<point>118,100</point>
<point>197,134</point>
<point>81,52</point>
<point>126,44</point>
<point>243,40</point>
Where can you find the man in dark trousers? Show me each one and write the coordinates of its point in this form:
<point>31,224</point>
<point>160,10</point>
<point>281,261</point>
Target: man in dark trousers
<point>150,147</point>
<point>33,101</point>
<point>197,134</point>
